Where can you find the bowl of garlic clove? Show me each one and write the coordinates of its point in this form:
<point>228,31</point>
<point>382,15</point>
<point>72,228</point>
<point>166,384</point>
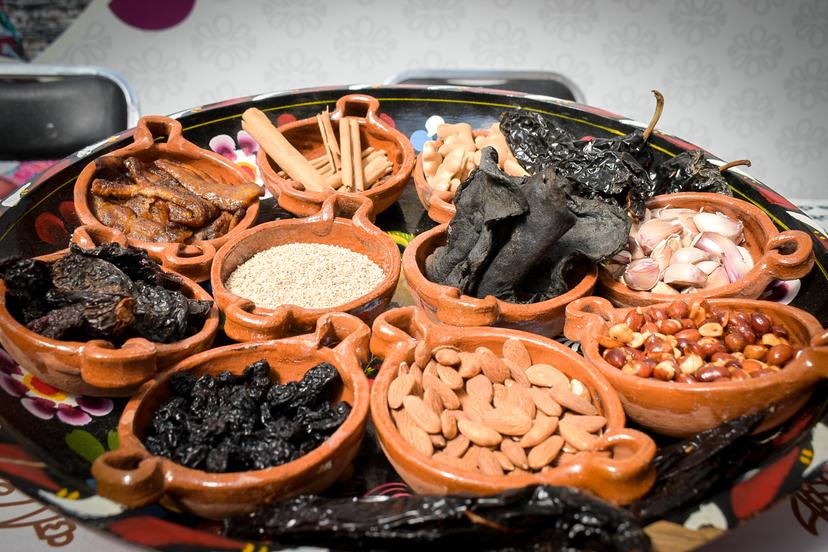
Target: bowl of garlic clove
<point>697,244</point>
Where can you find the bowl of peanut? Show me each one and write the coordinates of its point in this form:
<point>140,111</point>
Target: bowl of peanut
<point>687,366</point>
<point>481,410</point>
<point>449,159</point>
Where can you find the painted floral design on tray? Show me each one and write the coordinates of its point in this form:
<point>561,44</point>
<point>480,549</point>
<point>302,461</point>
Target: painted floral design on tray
<point>241,151</point>
<point>46,402</point>
<point>55,229</point>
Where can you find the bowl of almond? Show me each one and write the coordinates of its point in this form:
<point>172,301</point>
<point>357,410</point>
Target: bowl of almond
<point>481,410</point>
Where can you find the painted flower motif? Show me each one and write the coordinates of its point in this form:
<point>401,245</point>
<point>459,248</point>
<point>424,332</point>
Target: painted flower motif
<point>802,142</point>
<point>697,20</point>
<point>761,7</point>
<point>91,48</point>
<point>631,48</point>
<point>690,80</point>
<point>223,42</point>
<point>433,60</point>
<point>755,51</point>
<point>295,17</point>
<point>808,83</point>
<point>294,70</point>
<point>242,155</point>
<point>811,23</point>
<point>631,102</point>
<point>364,44</point>
<point>55,229</point>
<point>44,401</point>
<point>500,45</point>
<point>434,18</point>
<point>155,75</point>
<point>568,18</point>
<point>636,5</point>
<point>576,70</point>
<point>747,113</point>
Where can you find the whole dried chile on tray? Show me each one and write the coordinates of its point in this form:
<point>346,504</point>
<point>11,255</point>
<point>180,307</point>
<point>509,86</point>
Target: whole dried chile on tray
<point>689,171</point>
<point>531,518</point>
<point>536,141</point>
<point>249,421</point>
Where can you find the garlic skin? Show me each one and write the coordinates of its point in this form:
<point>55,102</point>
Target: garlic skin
<point>692,255</point>
<point>654,231</point>
<point>664,289</point>
<point>683,275</point>
<point>717,278</point>
<point>732,259</point>
<point>662,254</point>
<point>720,224</point>
<point>642,274</point>
<point>708,266</point>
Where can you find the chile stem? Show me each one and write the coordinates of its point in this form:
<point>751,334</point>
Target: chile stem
<point>734,163</point>
<point>656,114</point>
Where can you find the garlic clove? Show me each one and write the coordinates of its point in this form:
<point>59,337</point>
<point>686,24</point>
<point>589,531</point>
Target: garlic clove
<point>641,274</point>
<point>666,289</point>
<point>732,260</point>
<point>662,254</point>
<point>684,274</point>
<point>674,213</point>
<point>622,257</point>
<point>746,256</point>
<point>691,255</point>
<point>635,250</point>
<point>717,278</point>
<point>616,270</point>
<point>720,224</point>
<point>688,226</point>
<point>708,266</point>
<point>654,231</point>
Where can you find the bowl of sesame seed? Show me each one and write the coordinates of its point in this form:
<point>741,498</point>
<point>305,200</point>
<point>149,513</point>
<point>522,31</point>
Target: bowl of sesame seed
<point>278,278</point>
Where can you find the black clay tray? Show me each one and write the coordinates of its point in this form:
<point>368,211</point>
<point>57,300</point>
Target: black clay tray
<point>48,439</point>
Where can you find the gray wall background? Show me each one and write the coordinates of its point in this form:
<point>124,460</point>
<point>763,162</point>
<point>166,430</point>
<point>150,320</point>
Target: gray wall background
<point>742,78</point>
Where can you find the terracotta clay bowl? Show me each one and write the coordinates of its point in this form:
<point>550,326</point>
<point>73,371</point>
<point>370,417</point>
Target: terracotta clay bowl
<point>777,255</point>
<point>682,410</point>
<point>620,479</point>
<point>304,136</point>
<point>247,322</point>
<point>134,477</point>
<point>156,137</point>
<point>446,304</point>
<point>97,367</point>
<point>438,204</point>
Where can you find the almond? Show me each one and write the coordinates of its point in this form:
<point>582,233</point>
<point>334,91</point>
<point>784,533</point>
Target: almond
<point>508,420</point>
<point>412,433</point>
<point>447,356</point>
<point>474,407</point>
<point>403,369</point>
<point>590,424</point>
<point>488,462</point>
<point>432,400</point>
<point>478,433</point>
<point>517,373</point>
<point>421,414</point>
<point>422,354</point>
<point>515,453</point>
<point>545,402</point>
<point>431,368</point>
<point>448,424</point>
<point>515,350</point>
<point>570,400</point>
<point>500,396</point>
<point>438,441</point>
<point>543,454</point>
<point>449,376</point>
<point>576,436</point>
<point>542,428</point>
<point>518,472</point>
<point>481,387</point>
<point>441,456</point>
<point>447,396</point>
<point>457,446</point>
<point>545,375</point>
<point>504,461</point>
<point>521,397</point>
<point>469,365</point>
<point>577,387</point>
<point>398,389</point>
<point>491,365</point>
<point>417,373</point>
<point>470,458</point>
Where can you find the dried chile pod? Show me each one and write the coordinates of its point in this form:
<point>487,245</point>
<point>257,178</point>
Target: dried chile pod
<point>105,315</point>
<point>134,262</point>
<point>61,323</point>
<point>27,281</point>
<point>689,171</point>
<point>75,272</point>
<point>531,518</point>
<point>165,316</point>
<point>536,141</point>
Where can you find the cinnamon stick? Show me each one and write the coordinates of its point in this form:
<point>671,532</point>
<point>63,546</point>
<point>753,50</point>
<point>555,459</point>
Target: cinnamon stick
<point>356,149</point>
<point>329,132</point>
<point>347,157</point>
<point>256,123</point>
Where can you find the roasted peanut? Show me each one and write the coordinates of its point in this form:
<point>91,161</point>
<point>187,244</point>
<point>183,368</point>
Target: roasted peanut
<point>779,354</point>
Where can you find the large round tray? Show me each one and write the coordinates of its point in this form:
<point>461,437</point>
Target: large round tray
<point>46,452</point>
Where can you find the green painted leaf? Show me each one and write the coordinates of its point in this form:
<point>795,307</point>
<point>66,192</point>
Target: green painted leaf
<point>112,440</point>
<point>402,238</point>
<point>84,444</point>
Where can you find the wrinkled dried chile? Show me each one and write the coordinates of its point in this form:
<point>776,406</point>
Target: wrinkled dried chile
<point>108,292</point>
<point>231,423</point>
<point>689,171</point>
<point>531,518</point>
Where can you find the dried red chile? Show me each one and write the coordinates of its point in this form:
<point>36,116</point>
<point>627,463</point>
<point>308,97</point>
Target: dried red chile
<point>231,423</point>
<point>108,292</point>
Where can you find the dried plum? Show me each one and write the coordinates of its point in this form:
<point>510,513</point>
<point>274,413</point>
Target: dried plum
<point>247,421</point>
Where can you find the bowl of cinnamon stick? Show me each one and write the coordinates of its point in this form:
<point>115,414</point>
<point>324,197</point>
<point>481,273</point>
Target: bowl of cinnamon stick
<point>349,151</point>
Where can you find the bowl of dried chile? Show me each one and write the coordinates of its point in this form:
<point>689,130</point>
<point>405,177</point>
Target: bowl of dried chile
<point>231,429</point>
<point>481,410</point>
<point>170,197</point>
<point>100,320</point>
<point>689,365</point>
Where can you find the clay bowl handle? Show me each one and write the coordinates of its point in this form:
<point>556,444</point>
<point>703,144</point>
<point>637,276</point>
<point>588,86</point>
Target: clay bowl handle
<point>621,480</point>
<point>360,106</point>
<point>788,255</point>
<point>441,207</point>
<point>106,367</point>
<point>358,208</point>
<point>461,310</point>
<point>190,260</point>
<point>350,334</point>
<point>153,128</point>
<point>90,236</point>
<point>129,476</point>
<point>816,354</point>
<point>585,315</point>
<point>274,324</point>
<point>399,328</point>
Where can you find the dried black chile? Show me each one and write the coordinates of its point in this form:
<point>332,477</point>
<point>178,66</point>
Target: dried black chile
<point>245,422</point>
<point>689,171</point>
<point>27,282</point>
<point>134,262</point>
<point>536,141</point>
<point>531,518</point>
<point>165,316</point>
